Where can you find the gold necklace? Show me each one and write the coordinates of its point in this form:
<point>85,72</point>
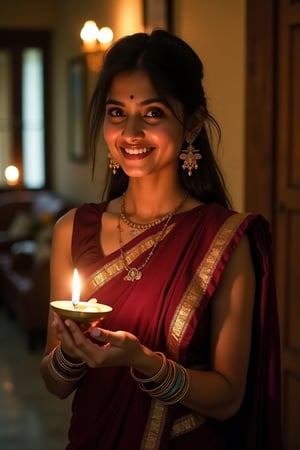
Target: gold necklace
<point>135,273</point>
<point>138,227</point>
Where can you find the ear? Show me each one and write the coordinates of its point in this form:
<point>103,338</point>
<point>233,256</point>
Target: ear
<point>194,125</point>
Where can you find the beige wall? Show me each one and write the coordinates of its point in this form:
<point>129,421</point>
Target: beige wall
<point>215,29</point>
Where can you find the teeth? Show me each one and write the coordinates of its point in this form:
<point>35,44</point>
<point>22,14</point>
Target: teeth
<point>136,151</point>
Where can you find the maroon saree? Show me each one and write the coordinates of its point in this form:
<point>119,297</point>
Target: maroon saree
<point>168,309</point>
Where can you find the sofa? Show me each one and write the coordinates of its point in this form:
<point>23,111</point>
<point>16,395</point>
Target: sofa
<point>26,224</point>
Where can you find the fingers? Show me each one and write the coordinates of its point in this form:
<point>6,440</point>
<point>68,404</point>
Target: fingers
<point>70,336</point>
<point>115,338</point>
<point>61,331</point>
<point>68,329</point>
<point>98,347</point>
<point>74,330</point>
<point>57,323</point>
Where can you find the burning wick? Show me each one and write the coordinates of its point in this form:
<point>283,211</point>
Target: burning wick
<point>76,289</point>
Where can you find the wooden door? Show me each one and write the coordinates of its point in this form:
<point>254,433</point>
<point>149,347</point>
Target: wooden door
<point>273,171</point>
<point>287,219</point>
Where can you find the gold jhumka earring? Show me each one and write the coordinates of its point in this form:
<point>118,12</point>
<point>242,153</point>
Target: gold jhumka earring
<point>190,156</point>
<point>113,165</point>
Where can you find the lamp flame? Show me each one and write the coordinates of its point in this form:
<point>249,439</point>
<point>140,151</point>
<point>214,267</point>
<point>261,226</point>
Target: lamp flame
<point>76,288</point>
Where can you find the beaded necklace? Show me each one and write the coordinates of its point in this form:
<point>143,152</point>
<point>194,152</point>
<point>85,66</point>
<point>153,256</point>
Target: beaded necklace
<point>135,273</point>
<point>136,228</point>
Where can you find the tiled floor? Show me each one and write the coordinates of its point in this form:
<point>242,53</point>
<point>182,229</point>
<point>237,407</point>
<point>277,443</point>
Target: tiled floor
<point>30,417</point>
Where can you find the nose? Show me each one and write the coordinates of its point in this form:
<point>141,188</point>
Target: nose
<point>133,127</point>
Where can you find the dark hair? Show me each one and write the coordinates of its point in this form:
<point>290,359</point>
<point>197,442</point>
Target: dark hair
<point>175,71</point>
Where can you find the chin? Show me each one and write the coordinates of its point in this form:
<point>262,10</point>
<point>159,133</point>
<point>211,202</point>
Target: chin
<point>135,173</point>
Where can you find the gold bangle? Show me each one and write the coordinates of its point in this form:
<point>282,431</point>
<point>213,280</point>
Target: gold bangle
<point>173,387</point>
<point>179,393</point>
<point>65,362</point>
<point>60,371</point>
<point>156,377</point>
<point>165,385</point>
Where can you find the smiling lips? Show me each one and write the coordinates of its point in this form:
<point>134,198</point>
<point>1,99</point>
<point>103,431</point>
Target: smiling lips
<point>136,151</point>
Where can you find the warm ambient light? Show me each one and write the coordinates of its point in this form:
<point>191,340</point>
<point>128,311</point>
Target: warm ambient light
<point>94,42</point>
<point>12,175</point>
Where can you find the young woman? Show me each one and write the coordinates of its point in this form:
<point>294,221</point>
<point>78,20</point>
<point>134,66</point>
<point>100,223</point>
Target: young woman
<point>189,355</point>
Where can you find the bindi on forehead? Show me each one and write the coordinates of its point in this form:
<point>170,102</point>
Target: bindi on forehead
<point>131,97</point>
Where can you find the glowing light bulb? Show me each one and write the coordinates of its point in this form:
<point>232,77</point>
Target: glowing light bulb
<point>89,31</point>
<point>105,35</point>
<point>12,175</point>
<point>94,43</point>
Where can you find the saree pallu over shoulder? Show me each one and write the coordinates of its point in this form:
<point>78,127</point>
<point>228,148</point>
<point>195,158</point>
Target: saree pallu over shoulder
<point>168,310</point>
<point>201,283</point>
<point>201,286</point>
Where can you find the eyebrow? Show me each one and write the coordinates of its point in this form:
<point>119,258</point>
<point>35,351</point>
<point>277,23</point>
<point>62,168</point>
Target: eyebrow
<point>111,101</point>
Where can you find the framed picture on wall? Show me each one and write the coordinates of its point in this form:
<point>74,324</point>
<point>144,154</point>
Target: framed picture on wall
<point>158,14</point>
<point>76,109</point>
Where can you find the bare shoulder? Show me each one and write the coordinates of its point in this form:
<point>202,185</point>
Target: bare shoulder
<point>68,217</point>
<point>62,238</point>
<point>239,270</point>
<point>64,225</point>
<point>242,250</point>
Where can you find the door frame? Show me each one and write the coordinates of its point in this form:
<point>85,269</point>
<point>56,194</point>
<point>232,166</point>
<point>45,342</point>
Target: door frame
<point>260,123</point>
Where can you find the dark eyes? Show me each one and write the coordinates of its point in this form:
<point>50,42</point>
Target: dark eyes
<point>154,113</point>
<point>151,113</point>
<point>115,112</point>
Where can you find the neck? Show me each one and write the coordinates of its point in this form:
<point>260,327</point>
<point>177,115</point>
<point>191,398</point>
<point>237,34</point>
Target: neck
<point>145,202</point>
<point>143,209</point>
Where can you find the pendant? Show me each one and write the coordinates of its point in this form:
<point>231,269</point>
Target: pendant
<point>133,275</point>
<point>133,232</point>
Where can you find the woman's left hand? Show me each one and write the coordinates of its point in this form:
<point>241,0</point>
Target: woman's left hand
<point>119,348</point>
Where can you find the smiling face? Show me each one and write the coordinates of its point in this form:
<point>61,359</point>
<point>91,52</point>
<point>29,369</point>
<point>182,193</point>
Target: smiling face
<point>142,133</point>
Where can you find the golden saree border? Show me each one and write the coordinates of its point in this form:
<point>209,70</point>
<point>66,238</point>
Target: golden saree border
<point>113,268</point>
<point>185,310</point>
<point>186,424</point>
<point>198,286</point>
<point>154,429</point>
<point>181,426</point>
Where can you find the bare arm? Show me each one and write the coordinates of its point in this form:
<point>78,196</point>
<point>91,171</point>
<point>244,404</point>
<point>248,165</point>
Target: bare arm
<point>61,272</point>
<point>219,392</point>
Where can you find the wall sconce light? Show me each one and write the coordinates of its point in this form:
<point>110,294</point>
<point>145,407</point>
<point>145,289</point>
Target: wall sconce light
<point>12,175</point>
<point>94,42</point>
